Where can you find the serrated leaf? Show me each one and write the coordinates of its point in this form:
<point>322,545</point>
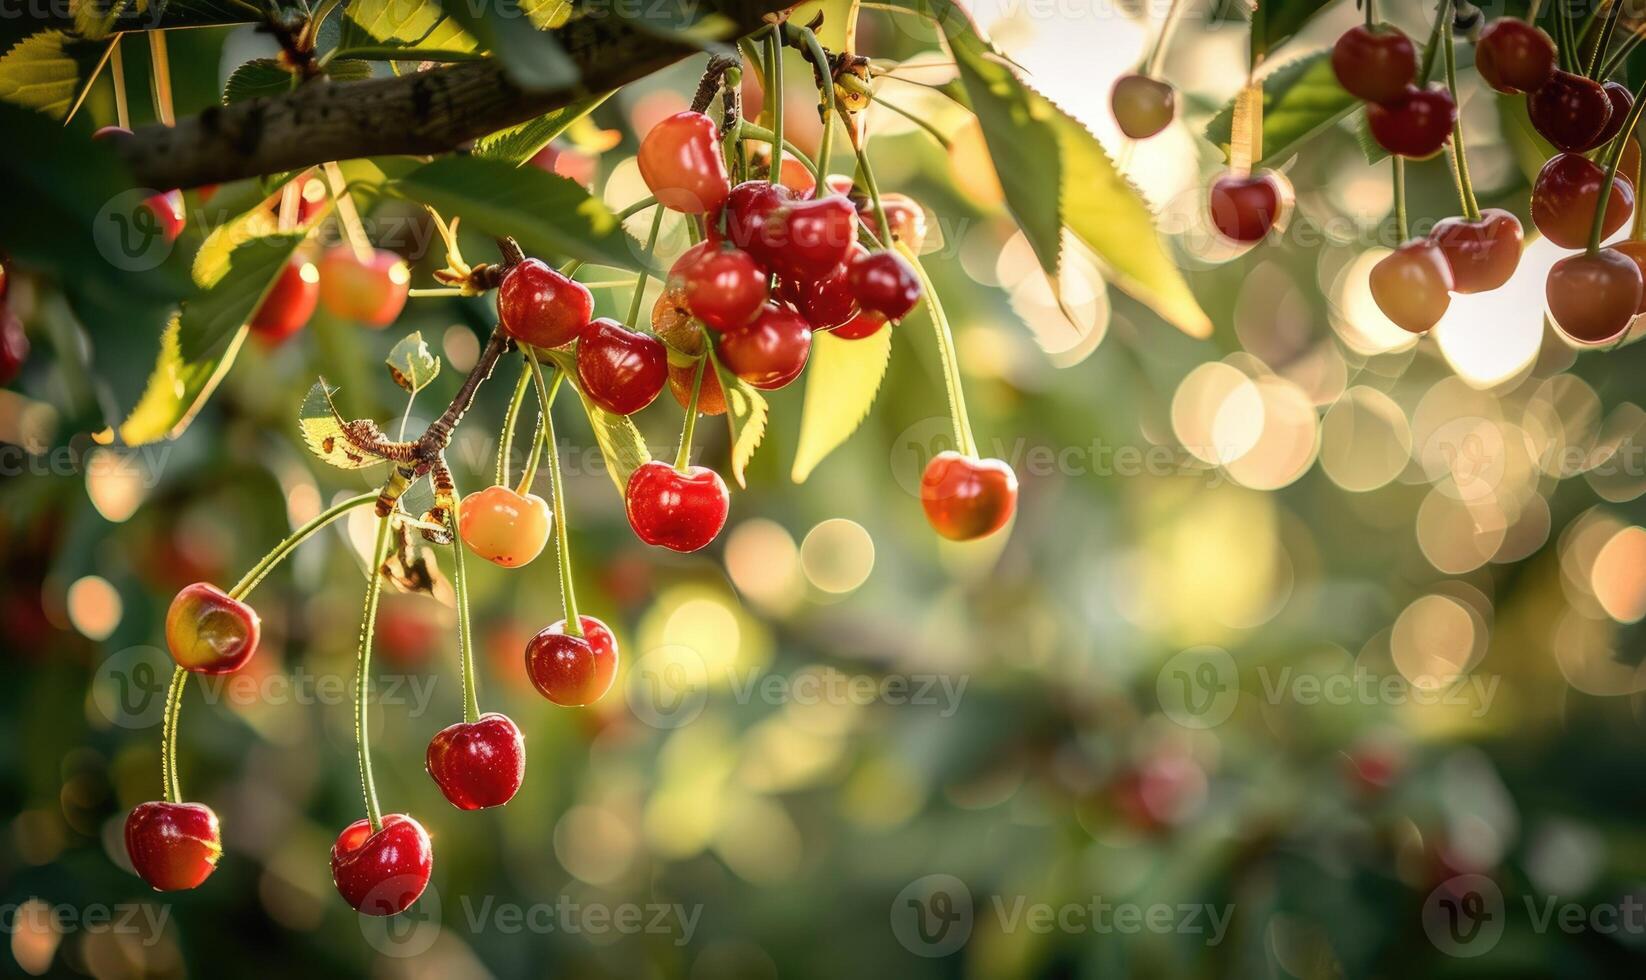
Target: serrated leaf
<point>412,364</point>
<point>745,415</point>
<point>517,144</point>
<point>48,71</point>
<point>408,24</point>
<point>532,58</point>
<point>262,77</point>
<point>1301,99</point>
<point>842,379</point>
<point>96,19</point>
<point>178,388</point>
<point>1274,22</point>
<point>211,262</point>
<point>230,299</point>
<point>621,444</point>
<point>327,435</point>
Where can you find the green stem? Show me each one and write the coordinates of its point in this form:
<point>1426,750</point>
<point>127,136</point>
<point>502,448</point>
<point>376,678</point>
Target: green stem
<point>825,94</point>
<point>1614,156</point>
<point>368,625</point>
<point>570,268</point>
<point>568,594</point>
<point>1531,14</point>
<point>683,455</point>
<point>1563,34</point>
<point>1605,39</point>
<point>1622,53</point>
<point>855,85</point>
<point>1460,155</point>
<point>505,441</point>
<point>528,476</point>
<point>640,283</point>
<point>873,187</point>
<point>1168,27</point>
<point>465,635</point>
<point>1371,18</point>
<point>168,737</point>
<point>636,208</point>
<point>774,96</point>
<point>760,134</point>
<point>946,352</point>
<point>1427,68</point>
<point>1402,228</point>
<point>267,563</point>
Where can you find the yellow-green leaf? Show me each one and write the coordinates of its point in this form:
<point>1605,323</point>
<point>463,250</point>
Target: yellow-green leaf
<point>412,364</point>
<point>621,444</point>
<point>842,379</point>
<point>745,415</point>
<point>177,389</point>
<point>327,435</point>
<point>49,70</point>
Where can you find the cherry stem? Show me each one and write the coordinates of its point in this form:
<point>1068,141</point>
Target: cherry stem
<point>1614,157</point>
<point>1371,18</point>
<point>1637,230</point>
<point>946,352</point>
<point>1622,53</point>
<point>640,283</point>
<point>505,441</point>
<point>1426,68</point>
<point>278,554</point>
<point>465,635</point>
<point>168,737</point>
<point>1605,39</point>
<point>528,476</point>
<point>160,77</point>
<point>1532,12</point>
<point>117,75</point>
<point>368,625</point>
<point>683,455</point>
<point>760,134</point>
<point>825,93</point>
<point>1402,229</point>
<point>562,543</point>
<point>885,227</point>
<point>1168,27</point>
<point>1563,32</point>
<point>855,85</point>
<point>1460,156</point>
<point>774,102</point>
<point>633,210</point>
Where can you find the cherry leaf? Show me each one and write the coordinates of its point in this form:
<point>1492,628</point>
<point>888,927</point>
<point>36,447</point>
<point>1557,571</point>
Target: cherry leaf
<point>842,379</point>
<point>413,26</point>
<point>50,71</point>
<point>328,436</point>
<point>518,144</point>
<point>412,364</point>
<point>745,415</point>
<point>621,444</point>
<point>1301,100</point>
<point>177,388</point>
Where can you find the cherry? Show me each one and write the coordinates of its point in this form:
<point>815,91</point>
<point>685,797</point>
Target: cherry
<point>1513,56</point>
<point>503,526</point>
<point>621,370</point>
<point>1412,285</point>
<point>1374,64</point>
<point>542,307</point>
<point>210,633</point>
<point>722,286</point>
<point>1244,208</point>
<point>166,206</point>
<point>289,303</point>
<point>749,208</point>
<point>679,510</point>
<point>1621,102</point>
<point>1569,110</point>
<point>479,763</point>
<point>1564,197</point>
<point>711,399</point>
<point>681,162</point>
<point>1635,251</point>
<point>1415,123</point>
<point>885,283</point>
<point>967,498</point>
<point>571,670</point>
<point>1483,254</point>
<point>14,345</point>
<point>827,302</point>
<point>811,237</point>
<point>385,872</point>
<point>772,351</point>
<point>1142,106</point>
<point>908,219</point>
<point>372,292</point>
<point>865,324</point>
<point>1593,297</point>
<point>173,846</point>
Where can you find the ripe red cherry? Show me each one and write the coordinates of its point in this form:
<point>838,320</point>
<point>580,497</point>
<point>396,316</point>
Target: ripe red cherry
<point>828,302</point>
<point>1415,123</point>
<point>1142,106</point>
<point>1621,102</point>
<point>1593,297</point>
<point>908,219</point>
<point>14,345</point>
<point>1569,110</point>
<point>1245,208</point>
<point>166,206</point>
<point>885,283</point>
<point>749,208</point>
<point>723,286</point>
<point>1374,64</point>
<point>1412,285</point>
<point>681,511</point>
<point>711,400</point>
<point>289,303</point>
<point>504,527</point>
<point>865,324</point>
<point>1635,251</point>
<point>478,763</point>
<point>372,292</point>
<point>1513,56</point>
<point>210,633</point>
<point>681,162</point>
<point>385,872</point>
<point>571,670</point>
<point>809,238</point>
<point>542,307</point>
<point>772,351</point>
<point>621,370</point>
<point>1565,195</point>
<point>967,498</point>
<point>173,846</point>
<point>1483,254</point>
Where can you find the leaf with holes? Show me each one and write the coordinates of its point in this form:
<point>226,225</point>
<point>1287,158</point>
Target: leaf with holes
<point>745,416</point>
<point>842,379</point>
<point>330,438</point>
<point>412,364</point>
<point>1301,100</point>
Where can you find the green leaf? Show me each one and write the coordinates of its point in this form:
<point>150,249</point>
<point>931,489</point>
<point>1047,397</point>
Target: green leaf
<point>842,379</point>
<point>330,438</point>
<point>262,77</point>
<point>1275,21</point>
<point>210,318</point>
<point>532,58</point>
<point>683,21</point>
<point>48,71</point>
<point>548,214</point>
<point>621,444</point>
<point>404,24</point>
<point>745,415</point>
<point>839,30</point>
<point>211,262</point>
<point>412,364</point>
<point>178,388</point>
<point>517,144</point>
<point>97,19</point>
<point>1301,99</point>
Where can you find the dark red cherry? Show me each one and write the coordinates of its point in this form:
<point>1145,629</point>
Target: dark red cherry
<point>1513,56</point>
<point>1569,110</point>
<point>750,207</point>
<point>385,872</point>
<point>14,345</point>
<point>1374,64</point>
<point>967,498</point>
<point>1483,254</point>
<point>540,306</point>
<point>1565,195</point>
<point>830,301</point>
<point>864,324</point>
<point>1593,297</point>
<point>571,670</point>
<point>1142,106</point>
<point>289,304</point>
<point>210,633</point>
<point>478,763</point>
<point>679,510</point>
<point>681,162</point>
<point>621,370</point>
<point>770,352</point>
<point>1621,102</point>
<point>1412,285</point>
<point>1635,251</point>
<point>1245,208</point>
<point>885,283</point>
<point>1415,123</point>
<point>173,846</point>
<point>809,238</point>
<point>723,286</point>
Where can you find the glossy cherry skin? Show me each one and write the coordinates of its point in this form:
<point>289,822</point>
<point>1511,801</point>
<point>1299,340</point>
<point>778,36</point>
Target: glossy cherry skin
<point>14,345</point>
<point>711,400</point>
<point>372,292</point>
<point>1569,110</point>
<point>1142,106</point>
<point>967,498</point>
<point>173,846</point>
<point>385,872</point>
<point>827,302</point>
<point>1483,254</point>
<point>750,208</point>
<point>289,304</point>
<point>885,283</point>
<point>681,162</point>
<point>1593,297</point>
<point>865,324</point>
<point>1621,102</point>
<point>504,527</point>
<point>722,286</point>
<point>571,670</point>
<point>1416,123</point>
<point>1513,56</point>
<point>811,237</point>
<point>478,763</point>
<point>621,370</point>
<point>1412,285</point>
<point>210,633</point>
<point>1565,195</point>
<point>772,351</point>
<point>542,307</point>
<point>680,511</point>
<point>1374,65</point>
<point>1245,208</point>
<point>1635,251</point>
<point>908,219</point>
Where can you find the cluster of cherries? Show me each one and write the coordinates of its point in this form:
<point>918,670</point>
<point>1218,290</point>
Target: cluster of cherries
<point>369,288</point>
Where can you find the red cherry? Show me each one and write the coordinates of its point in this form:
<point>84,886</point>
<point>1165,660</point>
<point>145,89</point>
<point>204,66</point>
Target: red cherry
<point>772,351</point>
<point>210,633</point>
<point>1374,64</point>
<point>1564,197</point>
<point>681,511</point>
<point>14,345</point>
<point>967,498</point>
<point>173,846</point>
<point>1483,254</point>
<point>542,307</point>
<point>621,370</point>
<point>1142,106</point>
<point>504,527</point>
<point>1416,123</point>
<point>681,162</point>
<point>289,303</point>
<point>166,206</point>
<point>865,324</point>
<point>1621,102</point>
<point>385,872</point>
<point>796,177</point>
<point>1513,56</point>
<point>1569,110</point>
<point>478,763</point>
<point>571,670</point>
<point>723,286</point>
<point>885,283</point>
<point>711,400</point>
<point>1412,285</point>
<point>1593,297</point>
<point>1245,208</point>
<point>372,292</point>
<point>828,302</point>
<point>908,219</point>
<point>811,237</point>
<point>1635,251</point>
<point>749,208</point>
